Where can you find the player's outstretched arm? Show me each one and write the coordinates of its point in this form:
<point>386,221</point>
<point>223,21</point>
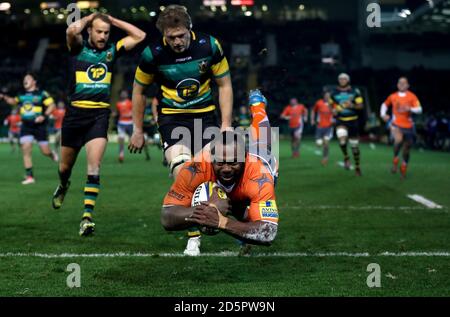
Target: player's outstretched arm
<point>225,100</point>
<point>137,140</point>
<point>174,218</point>
<point>73,32</point>
<point>257,232</point>
<point>179,217</point>
<point>9,100</point>
<point>135,35</point>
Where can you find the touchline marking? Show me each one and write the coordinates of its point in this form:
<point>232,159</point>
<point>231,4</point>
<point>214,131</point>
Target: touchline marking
<point>225,254</point>
<point>361,208</point>
<point>426,202</point>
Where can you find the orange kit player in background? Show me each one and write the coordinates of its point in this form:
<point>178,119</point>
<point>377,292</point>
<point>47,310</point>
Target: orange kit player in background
<point>323,112</point>
<point>13,121</point>
<point>125,123</point>
<point>58,115</point>
<point>404,103</point>
<point>297,114</point>
<point>248,178</point>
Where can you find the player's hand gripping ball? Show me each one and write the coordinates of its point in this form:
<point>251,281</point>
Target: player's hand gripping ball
<point>204,193</point>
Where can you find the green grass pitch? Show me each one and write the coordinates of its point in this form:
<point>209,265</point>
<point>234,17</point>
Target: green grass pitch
<point>322,210</point>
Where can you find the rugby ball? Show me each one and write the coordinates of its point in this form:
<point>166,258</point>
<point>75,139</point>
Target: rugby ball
<point>203,193</point>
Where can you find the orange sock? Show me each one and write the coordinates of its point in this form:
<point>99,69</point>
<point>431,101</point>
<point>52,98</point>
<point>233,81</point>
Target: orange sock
<point>259,115</point>
<point>395,161</point>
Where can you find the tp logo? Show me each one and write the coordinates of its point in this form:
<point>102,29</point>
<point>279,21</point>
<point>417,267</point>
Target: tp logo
<point>374,278</point>
<point>74,278</point>
<point>75,14</point>
<point>374,18</point>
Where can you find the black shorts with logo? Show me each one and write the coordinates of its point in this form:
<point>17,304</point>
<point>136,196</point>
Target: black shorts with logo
<point>83,125</point>
<point>186,129</point>
<point>352,127</point>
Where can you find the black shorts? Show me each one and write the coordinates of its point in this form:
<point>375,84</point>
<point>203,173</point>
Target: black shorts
<point>352,127</point>
<point>186,129</point>
<point>38,132</point>
<point>82,125</point>
<point>409,134</point>
<point>150,129</point>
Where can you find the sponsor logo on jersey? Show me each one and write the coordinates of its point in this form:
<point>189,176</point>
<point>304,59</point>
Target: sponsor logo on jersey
<point>268,209</point>
<point>97,72</point>
<point>187,89</point>
<point>176,195</point>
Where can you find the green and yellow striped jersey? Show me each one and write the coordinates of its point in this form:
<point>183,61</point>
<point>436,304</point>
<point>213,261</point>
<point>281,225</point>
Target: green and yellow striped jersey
<point>92,74</point>
<point>184,78</point>
<point>339,96</point>
<point>32,104</point>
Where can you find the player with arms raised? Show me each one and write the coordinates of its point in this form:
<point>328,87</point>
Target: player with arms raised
<point>87,116</point>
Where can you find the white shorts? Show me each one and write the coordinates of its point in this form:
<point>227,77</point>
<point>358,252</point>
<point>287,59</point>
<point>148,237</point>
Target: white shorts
<point>124,129</point>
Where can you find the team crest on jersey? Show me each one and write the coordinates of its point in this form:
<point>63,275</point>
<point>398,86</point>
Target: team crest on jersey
<point>203,67</point>
<point>109,57</point>
<point>97,72</point>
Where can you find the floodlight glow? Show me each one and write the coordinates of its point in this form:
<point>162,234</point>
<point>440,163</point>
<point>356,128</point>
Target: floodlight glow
<point>5,6</point>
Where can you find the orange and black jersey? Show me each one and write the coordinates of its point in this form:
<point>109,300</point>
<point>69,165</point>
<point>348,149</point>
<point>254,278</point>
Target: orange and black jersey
<point>92,74</point>
<point>184,78</point>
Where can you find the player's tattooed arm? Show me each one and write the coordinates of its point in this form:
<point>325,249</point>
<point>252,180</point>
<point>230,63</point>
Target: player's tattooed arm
<point>257,232</point>
<point>73,33</point>
<point>135,35</point>
<point>225,100</point>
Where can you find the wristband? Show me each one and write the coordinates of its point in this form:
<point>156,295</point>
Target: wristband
<point>223,221</point>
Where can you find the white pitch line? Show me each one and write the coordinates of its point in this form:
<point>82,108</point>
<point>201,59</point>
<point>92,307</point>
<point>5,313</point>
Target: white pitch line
<point>225,254</point>
<point>424,201</point>
<point>361,208</point>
